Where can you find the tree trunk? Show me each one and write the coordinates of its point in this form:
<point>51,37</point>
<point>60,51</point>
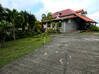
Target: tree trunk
<point>14,33</point>
<point>0,44</point>
<point>23,28</point>
<point>2,41</point>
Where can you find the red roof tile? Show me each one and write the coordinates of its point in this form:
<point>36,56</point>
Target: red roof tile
<point>81,10</point>
<point>63,13</point>
<point>70,12</point>
<point>85,18</point>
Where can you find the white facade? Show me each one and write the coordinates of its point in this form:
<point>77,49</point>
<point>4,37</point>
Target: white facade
<point>66,26</point>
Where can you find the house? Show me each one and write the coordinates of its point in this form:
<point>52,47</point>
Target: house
<point>69,20</point>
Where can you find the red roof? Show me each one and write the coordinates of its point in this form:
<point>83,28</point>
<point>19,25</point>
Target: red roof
<point>70,12</point>
<point>63,13</point>
<point>85,18</point>
<point>81,10</point>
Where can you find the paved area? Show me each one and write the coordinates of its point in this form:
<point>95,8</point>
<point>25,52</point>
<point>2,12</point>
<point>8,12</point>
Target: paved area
<point>65,54</point>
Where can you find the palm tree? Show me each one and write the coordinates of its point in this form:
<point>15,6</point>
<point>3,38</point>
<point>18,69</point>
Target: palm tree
<point>13,17</point>
<point>25,15</point>
<point>4,25</point>
<point>44,17</point>
<point>49,16</point>
<point>38,27</point>
<point>20,20</point>
<point>31,21</point>
<point>2,12</point>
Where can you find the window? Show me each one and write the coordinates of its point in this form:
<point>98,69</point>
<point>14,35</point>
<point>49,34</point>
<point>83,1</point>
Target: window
<point>69,21</point>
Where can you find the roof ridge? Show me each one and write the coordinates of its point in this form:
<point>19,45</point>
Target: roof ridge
<point>62,10</point>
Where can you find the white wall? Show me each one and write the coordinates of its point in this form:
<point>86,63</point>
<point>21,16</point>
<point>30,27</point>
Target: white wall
<point>70,26</point>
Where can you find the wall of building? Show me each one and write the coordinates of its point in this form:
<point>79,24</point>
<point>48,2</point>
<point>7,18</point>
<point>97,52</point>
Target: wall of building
<point>69,25</point>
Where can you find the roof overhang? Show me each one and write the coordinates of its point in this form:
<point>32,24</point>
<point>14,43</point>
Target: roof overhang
<point>60,19</point>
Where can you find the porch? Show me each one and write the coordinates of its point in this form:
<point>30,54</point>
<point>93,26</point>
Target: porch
<point>67,25</point>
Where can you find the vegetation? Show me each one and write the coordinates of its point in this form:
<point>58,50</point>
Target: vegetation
<point>4,25</point>
<point>15,25</point>
<point>15,49</point>
<point>48,17</point>
<point>92,29</point>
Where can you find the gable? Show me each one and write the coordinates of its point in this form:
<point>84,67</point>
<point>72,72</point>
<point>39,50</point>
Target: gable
<point>69,12</point>
<point>63,13</point>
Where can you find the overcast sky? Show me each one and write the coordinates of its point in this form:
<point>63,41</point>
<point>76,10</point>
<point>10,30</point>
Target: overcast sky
<point>38,7</point>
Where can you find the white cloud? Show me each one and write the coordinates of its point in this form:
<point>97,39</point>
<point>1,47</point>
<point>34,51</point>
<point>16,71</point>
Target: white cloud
<point>19,4</point>
<point>40,12</point>
<point>57,5</point>
<point>49,5</point>
<point>95,16</point>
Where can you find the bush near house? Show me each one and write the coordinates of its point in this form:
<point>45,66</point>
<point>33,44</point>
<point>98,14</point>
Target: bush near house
<point>93,28</point>
<point>53,31</point>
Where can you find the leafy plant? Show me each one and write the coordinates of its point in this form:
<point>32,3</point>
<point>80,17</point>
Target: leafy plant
<point>93,28</point>
<point>4,25</point>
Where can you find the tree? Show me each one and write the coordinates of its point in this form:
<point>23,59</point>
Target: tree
<point>38,27</point>
<point>2,13</point>
<point>44,17</point>
<point>20,20</point>
<point>13,17</point>
<point>31,21</point>
<point>25,15</point>
<point>49,16</point>
<point>4,25</point>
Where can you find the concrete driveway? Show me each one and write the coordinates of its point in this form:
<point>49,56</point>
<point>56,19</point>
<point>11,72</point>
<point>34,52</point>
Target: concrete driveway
<point>66,54</point>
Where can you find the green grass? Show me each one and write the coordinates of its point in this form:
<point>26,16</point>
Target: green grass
<point>18,48</point>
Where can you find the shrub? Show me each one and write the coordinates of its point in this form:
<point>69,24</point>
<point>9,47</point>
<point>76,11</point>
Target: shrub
<point>21,34</point>
<point>94,28</point>
<point>44,35</point>
<point>50,30</point>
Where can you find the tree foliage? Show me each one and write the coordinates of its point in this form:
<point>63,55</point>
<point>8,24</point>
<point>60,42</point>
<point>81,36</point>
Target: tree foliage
<point>93,28</point>
<point>46,17</point>
<point>17,24</point>
<point>38,26</point>
<point>4,27</point>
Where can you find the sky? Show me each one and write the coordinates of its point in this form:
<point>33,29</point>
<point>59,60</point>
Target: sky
<point>38,7</point>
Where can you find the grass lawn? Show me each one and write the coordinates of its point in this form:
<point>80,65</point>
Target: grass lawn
<point>18,48</point>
